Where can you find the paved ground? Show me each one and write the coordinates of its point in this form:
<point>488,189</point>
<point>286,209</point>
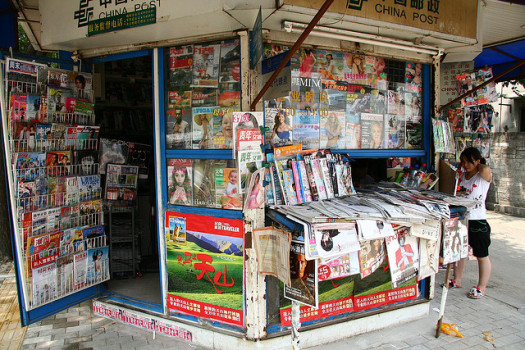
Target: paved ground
<point>496,321</point>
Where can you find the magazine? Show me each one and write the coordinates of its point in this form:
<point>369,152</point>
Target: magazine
<point>92,236</point>
<point>428,257</point>
<point>394,131</point>
<point>354,69</point>
<point>339,267</point>
<point>112,151</point>
<point>97,265</point>
<point>403,256</point>
<point>177,230</point>
<point>180,66</point>
<point>65,274</point>
<point>89,207</point>
<point>89,187</point>
<point>86,162</point>
<point>330,64</point>
<point>455,240</point>
<point>180,185</point>
<point>139,154</point>
<point>58,163</point>
<point>243,121</point>
<point>303,277</point>
<point>272,246</point>
<point>121,182</point>
<point>280,128</point>
<point>230,70</point>
<point>44,284</point>
<point>203,127</point>
<point>371,256</point>
<point>222,129</point>
<point>87,137</point>
<point>333,96</point>
<point>203,97</point>
<point>204,185</point>
<point>268,186</point>
<point>414,132</point>
<point>206,65</point>
<point>358,99</point>
<point>80,269</point>
<point>227,188</point>
<point>306,128</point>
<point>178,128</point>
<point>254,198</point>
<point>332,132</point>
<point>248,162</point>
<point>334,239</point>
<point>372,131</point>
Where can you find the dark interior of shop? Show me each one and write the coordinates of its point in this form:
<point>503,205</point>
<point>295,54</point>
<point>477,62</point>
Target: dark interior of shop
<point>124,110</point>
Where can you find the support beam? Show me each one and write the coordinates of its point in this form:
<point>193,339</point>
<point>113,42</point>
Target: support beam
<point>292,51</point>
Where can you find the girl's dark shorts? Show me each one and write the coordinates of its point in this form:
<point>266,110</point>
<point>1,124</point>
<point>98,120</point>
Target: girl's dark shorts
<point>479,237</point>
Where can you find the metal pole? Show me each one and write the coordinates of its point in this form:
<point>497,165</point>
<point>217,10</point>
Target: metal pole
<point>294,48</point>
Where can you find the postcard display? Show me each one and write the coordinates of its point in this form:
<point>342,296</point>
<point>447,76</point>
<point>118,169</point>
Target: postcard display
<point>52,151</point>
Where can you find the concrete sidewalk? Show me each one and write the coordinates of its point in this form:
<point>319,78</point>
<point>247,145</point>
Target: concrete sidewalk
<point>496,321</point>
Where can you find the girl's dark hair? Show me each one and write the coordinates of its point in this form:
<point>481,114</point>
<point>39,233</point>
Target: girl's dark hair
<point>472,154</point>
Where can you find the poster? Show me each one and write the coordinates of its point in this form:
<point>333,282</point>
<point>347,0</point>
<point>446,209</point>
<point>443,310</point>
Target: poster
<point>303,275</point>
<point>206,274</point>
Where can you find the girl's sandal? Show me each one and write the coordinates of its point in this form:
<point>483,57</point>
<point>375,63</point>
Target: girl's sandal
<point>475,293</point>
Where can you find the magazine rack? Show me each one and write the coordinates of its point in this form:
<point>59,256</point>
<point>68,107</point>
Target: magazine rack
<point>61,246</point>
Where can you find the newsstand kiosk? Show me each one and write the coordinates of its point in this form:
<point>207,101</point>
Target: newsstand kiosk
<point>214,168</point>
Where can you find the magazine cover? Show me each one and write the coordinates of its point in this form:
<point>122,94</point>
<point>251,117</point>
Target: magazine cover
<point>279,126</point>
<point>248,162</point>
<point>56,100</point>
<point>394,131</point>
<point>372,131</point>
<point>44,284</point>
<point>268,186</point>
<point>178,128</point>
<point>286,180</point>
<point>306,128</point>
<point>414,77</point>
<point>65,274</point>
<point>345,185</point>
<point>139,154</point>
<point>333,130</point>
<point>303,275</point>
<point>206,65</point>
<point>91,236</point>
<point>413,104</point>
<point>203,127</point>
<point>428,257</point>
<point>354,69</point>
<point>333,95</point>
<point>304,63</point>
<point>339,266</point>
<point>26,196</point>
<point>203,97</point>
<point>41,191</point>
<point>180,181</point>
<point>72,191</point>
<point>86,162</point>
<point>243,121</point>
<point>69,216</point>
<point>414,132</point>
<point>330,64</point>
<point>371,256</point>
<point>121,182</point>
<point>230,65</point>
<point>254,198</point>
<point>334,239</point>
<point>227,188</point>
<point>223,128</point>
<point>396,100</point>
<point>87,136</point>
<point>81,84</point>
<point>177,230</point>
<point>378,101</point>
<point>403,256</point>
<point>180,66</point>
<point>89,187</point>
<point>89,207</point>
<point>112,151</point>
<point>18,106</point>
<point>97,265</point>
<point>80,269</point>
<point>377,76</point>
<point>29,165</point>
<point>358,99</point>
<point>58,163</point>
<point>455,245</point>
<point>204,184</point>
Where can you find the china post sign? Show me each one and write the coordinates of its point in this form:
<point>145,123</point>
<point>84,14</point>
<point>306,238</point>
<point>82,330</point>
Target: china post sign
<point>122,21</point>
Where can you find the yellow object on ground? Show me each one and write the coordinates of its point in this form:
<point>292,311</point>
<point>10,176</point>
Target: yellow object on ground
<point>450,329</point>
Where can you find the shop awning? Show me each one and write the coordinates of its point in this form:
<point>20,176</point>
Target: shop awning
<point>502,57</point>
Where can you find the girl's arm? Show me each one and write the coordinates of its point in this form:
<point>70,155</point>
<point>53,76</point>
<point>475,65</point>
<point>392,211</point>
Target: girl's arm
<point>485,172</point>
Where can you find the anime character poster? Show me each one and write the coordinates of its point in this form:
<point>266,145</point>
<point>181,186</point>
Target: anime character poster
<point>206,274</point>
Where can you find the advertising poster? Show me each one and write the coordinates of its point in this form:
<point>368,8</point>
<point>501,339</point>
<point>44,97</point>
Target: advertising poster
<point>206,274</point>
